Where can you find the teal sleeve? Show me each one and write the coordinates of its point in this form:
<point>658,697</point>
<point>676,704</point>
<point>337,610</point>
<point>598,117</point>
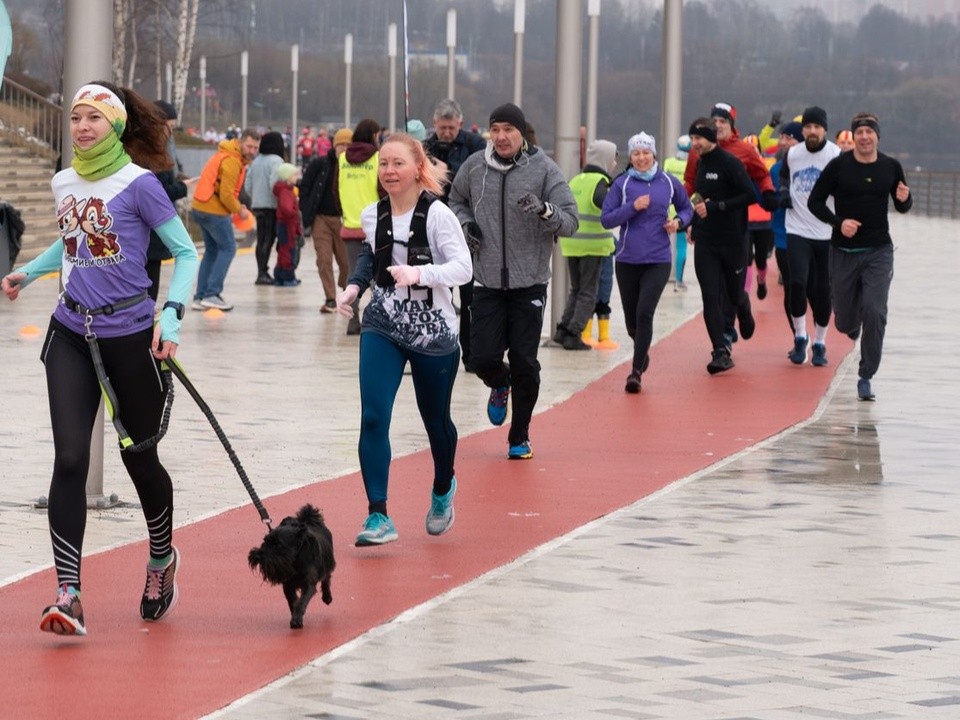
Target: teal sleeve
<point>174,235</point>
<point>50,260</point>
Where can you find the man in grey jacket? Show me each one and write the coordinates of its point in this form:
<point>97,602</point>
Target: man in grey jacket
<point>513,201</point>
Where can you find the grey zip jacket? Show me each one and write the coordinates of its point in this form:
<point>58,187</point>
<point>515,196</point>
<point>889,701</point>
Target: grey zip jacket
<point>516,247</point>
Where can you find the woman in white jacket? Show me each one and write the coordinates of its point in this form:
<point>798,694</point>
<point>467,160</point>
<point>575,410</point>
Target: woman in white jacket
<point>414,252</point>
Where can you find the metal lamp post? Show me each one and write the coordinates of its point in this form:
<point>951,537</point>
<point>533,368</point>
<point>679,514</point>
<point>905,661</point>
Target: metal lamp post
<point>203,94</point>
<point>392,61</point>
<point>294,69</point>
<point>519,12</point>
<point>244,70</point>
<point>451,52</point>
<point>567,154</point>
<point>348,62</point>
<point>671,92</point>
<point>593,44</point>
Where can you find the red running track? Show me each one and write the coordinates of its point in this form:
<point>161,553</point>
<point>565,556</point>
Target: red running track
<point>596,452</point>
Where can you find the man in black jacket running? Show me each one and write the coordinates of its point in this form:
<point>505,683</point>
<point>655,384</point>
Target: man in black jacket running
<point>722,192</point>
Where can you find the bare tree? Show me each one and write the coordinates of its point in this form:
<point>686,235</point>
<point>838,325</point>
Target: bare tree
<point>121,14</point>
<point>186,33</point>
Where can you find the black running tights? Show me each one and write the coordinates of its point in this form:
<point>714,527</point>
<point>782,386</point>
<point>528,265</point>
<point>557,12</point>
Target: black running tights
<point>74,395</point>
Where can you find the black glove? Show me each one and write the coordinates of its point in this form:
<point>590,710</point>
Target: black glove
<point>786,202</point>
<point>530,203</point>
<point>770,200</point>
<point>775,118</point>
<point>473,235</point>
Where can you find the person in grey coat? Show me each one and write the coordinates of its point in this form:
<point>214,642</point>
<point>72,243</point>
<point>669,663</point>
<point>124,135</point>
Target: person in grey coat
<point>260,179</point>
<point>512,201</point>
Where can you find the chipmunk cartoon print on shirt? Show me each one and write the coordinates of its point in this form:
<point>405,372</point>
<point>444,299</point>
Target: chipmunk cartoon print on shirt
<point>96,221</point>
<point>68,221</point>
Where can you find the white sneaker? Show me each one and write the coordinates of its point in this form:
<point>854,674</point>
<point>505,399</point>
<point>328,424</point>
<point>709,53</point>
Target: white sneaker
<point>197,305</point>
<point>216,301</point>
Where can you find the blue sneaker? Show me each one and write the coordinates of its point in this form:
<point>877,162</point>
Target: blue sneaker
<point>799,354</point>
<point>497,405</point>
<point>819,354</point>
<point>520,452</point>
<point>863,390</point>
<point>377,530</point>
<point>440,517</point>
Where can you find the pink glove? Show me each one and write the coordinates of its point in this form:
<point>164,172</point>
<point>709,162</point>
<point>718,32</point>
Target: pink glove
<point>405,275</point>
<point>345,300</point>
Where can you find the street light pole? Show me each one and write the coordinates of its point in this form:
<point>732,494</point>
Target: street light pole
<point>348,62</point>
<point>567,154</point>
<point>519,12</point>
<point>392,61</point>
<point>671,93</point>
<point>87,53</point>
<point>203,94</point>
<point>244,69</point>
<point>593,45</point>
<point>294,68</point>
<point>451,52</point>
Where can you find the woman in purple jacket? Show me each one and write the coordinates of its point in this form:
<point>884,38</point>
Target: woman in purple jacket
<point>638,202</point>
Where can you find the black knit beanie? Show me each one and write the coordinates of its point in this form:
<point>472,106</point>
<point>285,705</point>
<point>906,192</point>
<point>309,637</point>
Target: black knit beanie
<point>510,113</point>
<point>815,115</point>
<point>704,130</point>
<point>725,111</point>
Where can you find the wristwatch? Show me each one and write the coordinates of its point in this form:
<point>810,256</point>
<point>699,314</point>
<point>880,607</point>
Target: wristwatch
<point>178,307</point>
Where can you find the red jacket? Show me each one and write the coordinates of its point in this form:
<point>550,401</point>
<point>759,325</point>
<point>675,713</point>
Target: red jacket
<point>288,209</point>
<point>756,168</point>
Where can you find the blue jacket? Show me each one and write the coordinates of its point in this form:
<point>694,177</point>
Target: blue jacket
<point>778,222</point>
<point>643,240</point>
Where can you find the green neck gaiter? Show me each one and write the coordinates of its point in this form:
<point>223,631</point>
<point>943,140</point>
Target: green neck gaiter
<point>101,160</point>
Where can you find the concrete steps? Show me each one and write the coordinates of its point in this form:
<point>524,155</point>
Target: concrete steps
<point>25,184</point>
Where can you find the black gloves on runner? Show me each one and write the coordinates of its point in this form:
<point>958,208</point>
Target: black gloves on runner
<point>473,235</point>
<point>530,203</point>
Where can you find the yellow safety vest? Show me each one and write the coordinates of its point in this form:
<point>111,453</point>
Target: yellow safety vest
<point>358,188</point>
<point>591,238</point>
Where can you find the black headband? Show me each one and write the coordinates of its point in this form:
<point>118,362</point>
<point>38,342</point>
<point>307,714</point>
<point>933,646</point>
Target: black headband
<point>867,121</point>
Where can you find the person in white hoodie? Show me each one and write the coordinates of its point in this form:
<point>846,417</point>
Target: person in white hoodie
<point>808,239</point>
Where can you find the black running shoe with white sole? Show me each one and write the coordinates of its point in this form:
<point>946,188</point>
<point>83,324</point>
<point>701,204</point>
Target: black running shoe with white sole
<point>160,592</point>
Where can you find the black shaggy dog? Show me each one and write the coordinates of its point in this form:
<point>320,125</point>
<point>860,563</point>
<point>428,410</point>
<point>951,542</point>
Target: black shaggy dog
<point>297,554</point>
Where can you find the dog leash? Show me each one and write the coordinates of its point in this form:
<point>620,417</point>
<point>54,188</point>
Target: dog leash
<point>168,368</point>
<point>174,366</point>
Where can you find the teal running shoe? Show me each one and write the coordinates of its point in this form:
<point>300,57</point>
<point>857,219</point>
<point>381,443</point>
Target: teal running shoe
<point>377,530</point>
<point>440,517</point>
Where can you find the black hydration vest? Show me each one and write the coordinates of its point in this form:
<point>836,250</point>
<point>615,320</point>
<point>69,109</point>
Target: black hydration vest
<point>418,249</point>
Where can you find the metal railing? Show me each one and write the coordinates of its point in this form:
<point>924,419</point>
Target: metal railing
<point>30,120</point>
<point>935,193</point>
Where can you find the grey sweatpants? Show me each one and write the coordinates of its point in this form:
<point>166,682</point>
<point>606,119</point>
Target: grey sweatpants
<point>859,288</point>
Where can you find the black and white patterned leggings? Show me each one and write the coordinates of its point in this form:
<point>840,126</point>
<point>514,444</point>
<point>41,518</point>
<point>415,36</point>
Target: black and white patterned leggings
<point>74,394</point>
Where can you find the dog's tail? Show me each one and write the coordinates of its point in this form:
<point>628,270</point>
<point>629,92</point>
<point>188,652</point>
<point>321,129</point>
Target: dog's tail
<point>309,515</point>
